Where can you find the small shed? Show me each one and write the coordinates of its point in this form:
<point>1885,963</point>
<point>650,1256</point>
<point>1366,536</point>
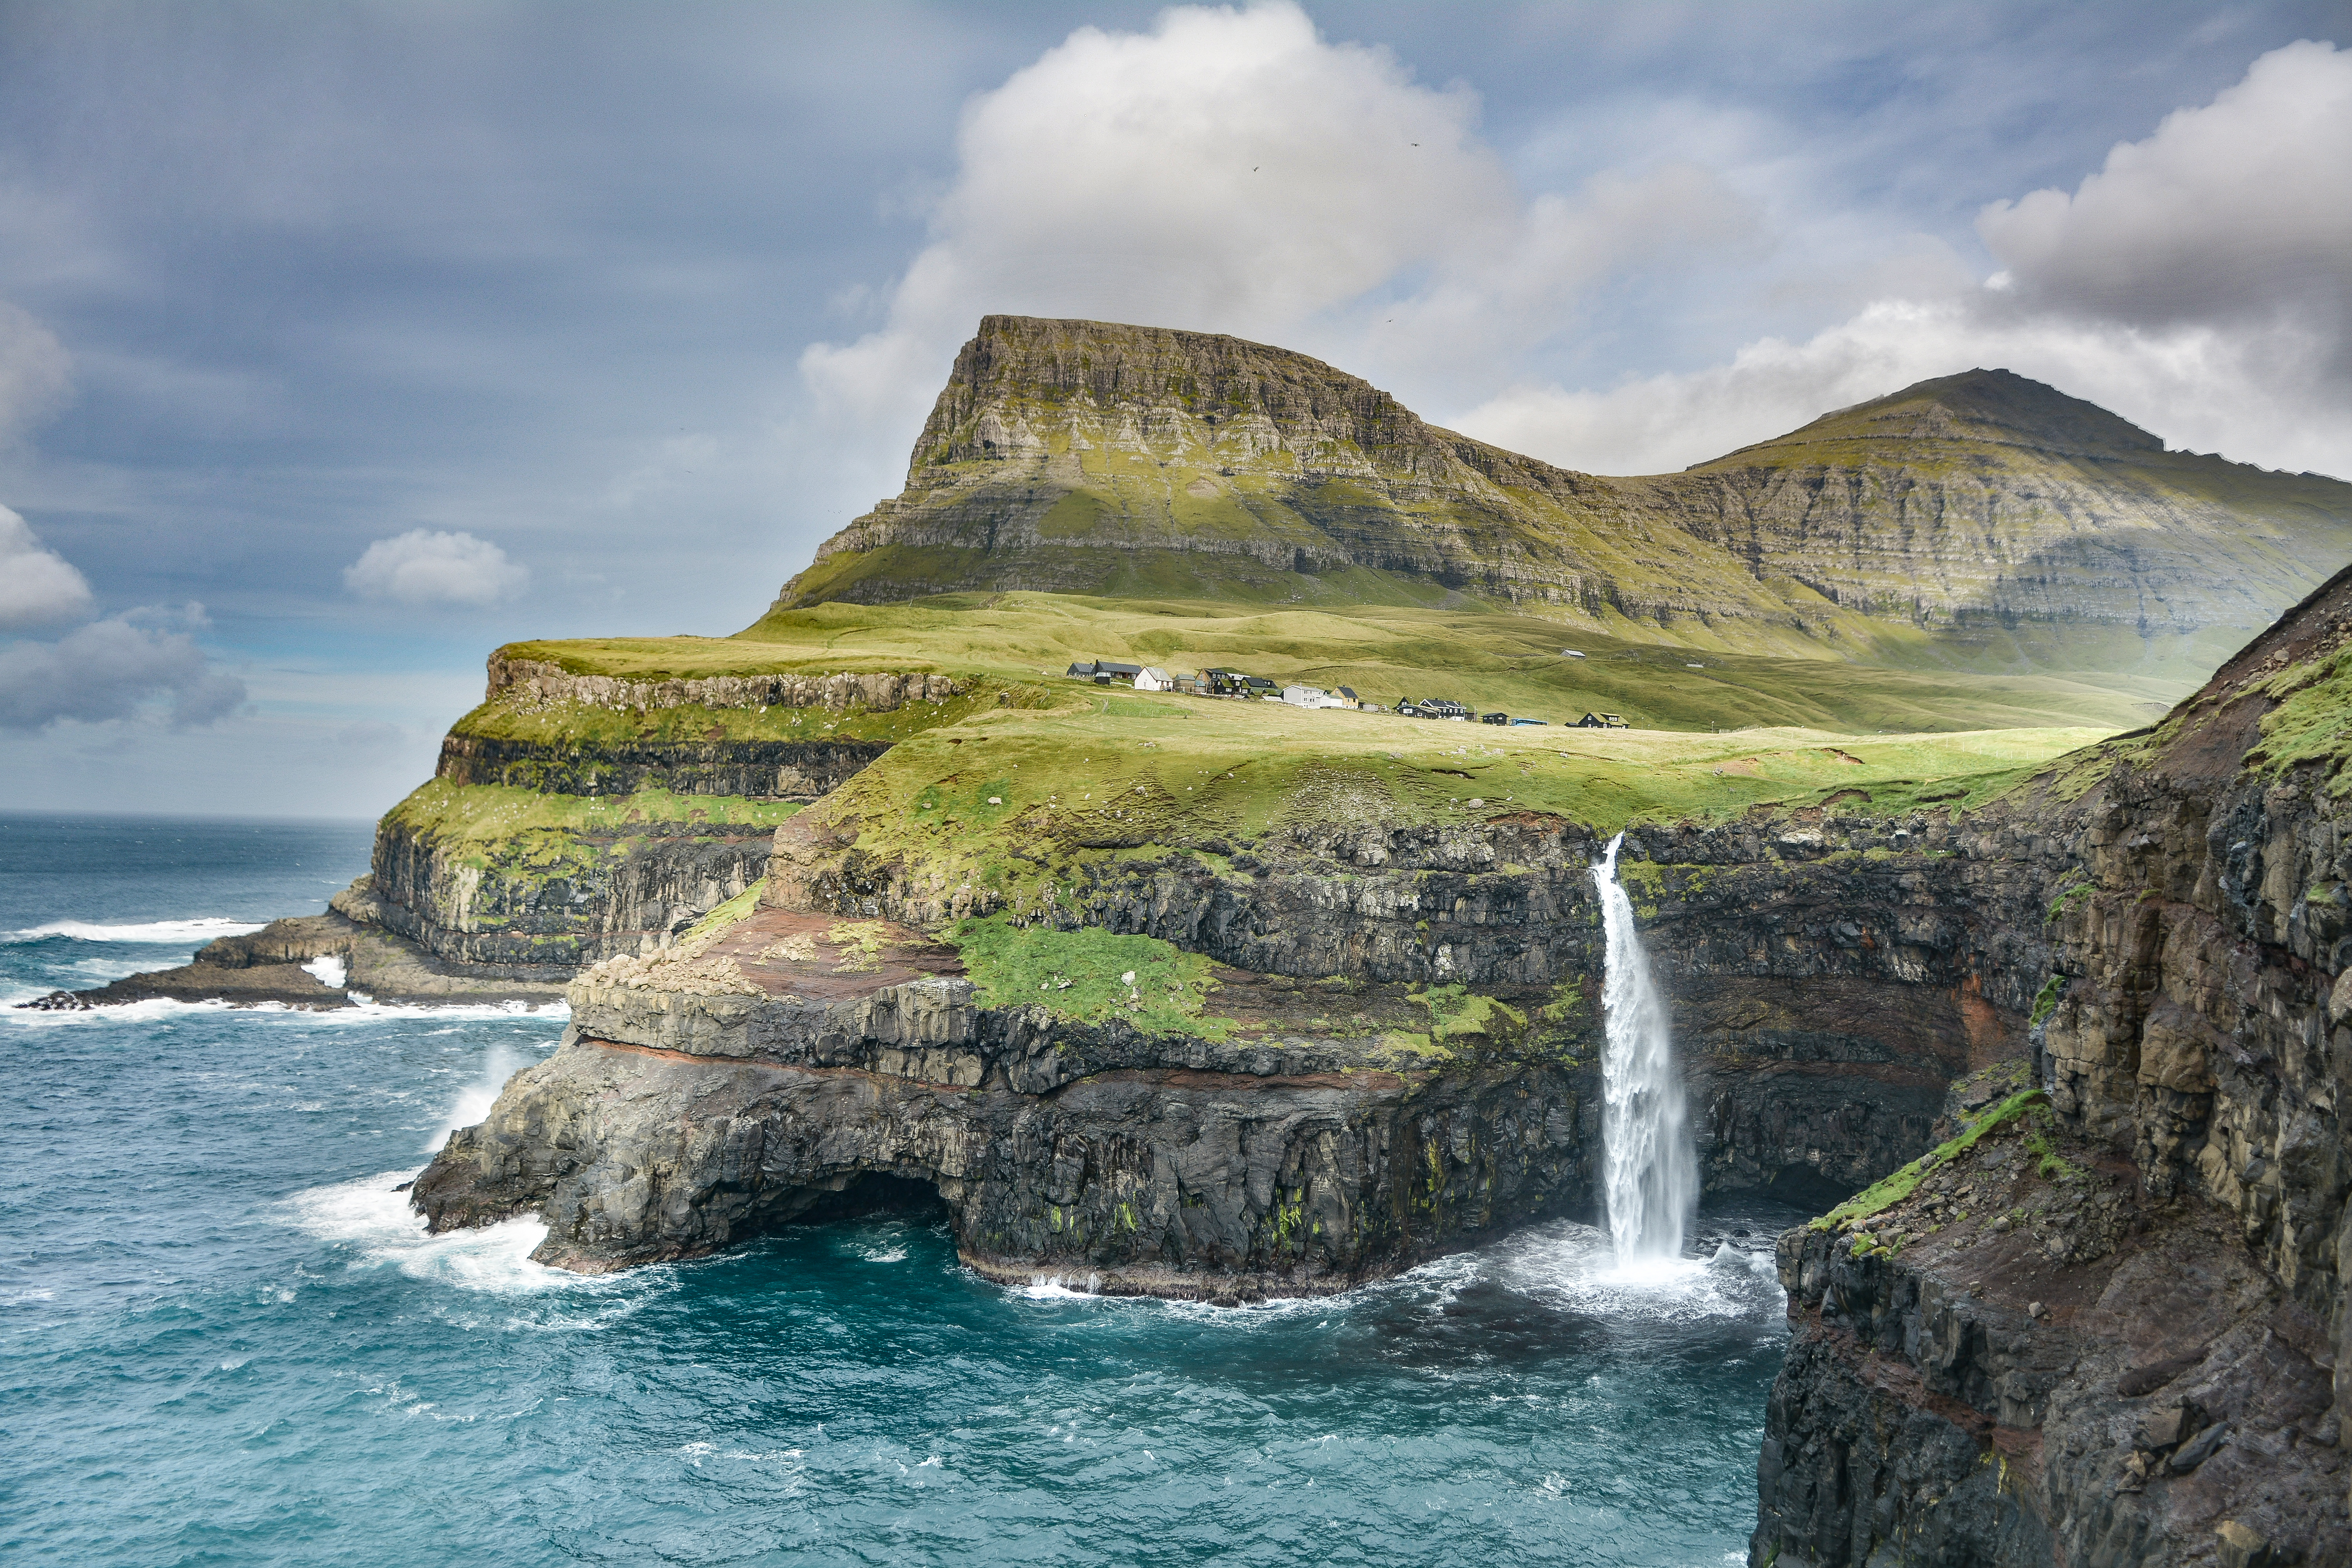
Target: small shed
<point>1493,718</point>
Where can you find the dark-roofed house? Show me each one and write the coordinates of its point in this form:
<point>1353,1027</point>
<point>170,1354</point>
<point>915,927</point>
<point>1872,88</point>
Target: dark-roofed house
<point>1084,670</point>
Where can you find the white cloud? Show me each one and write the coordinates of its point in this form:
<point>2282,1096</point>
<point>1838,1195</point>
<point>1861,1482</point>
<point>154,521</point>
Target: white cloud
<point>1230,171</point>
<point>2238,210</point>
<point>2197,285</point>
<point>115,668</point>
<point>424,567</point>
<point>38,587</point>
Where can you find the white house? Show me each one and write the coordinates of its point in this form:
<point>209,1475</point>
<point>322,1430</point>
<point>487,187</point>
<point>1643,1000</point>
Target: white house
<point>1312,697</point>
<point>1151,677</point>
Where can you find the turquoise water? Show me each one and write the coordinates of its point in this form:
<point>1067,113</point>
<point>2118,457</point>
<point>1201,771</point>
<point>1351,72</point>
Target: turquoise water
<point>227,1342</point>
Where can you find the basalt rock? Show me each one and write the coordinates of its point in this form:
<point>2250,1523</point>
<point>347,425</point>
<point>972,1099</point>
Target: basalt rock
<point>2125,1345</point>
<point>270,966</point>
<point>711,1097</point>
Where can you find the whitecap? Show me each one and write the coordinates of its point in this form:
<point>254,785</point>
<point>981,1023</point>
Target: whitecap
<point>368,1215</point>
<point>203,927</point>
<point>328,970</point>
<point>473,1101</point>
<point>364,1010</point>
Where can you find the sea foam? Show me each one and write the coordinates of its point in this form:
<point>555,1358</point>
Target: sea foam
<point>203,928</point>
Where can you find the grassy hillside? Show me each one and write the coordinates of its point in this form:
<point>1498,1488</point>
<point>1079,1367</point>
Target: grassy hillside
<point>1012,800</point>
<point>1983,521</point>
<point>1022,643</point>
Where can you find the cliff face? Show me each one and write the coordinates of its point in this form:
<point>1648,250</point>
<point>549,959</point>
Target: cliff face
<point>577,816</point>
<point>795,1063</point>
<point>2141,1316</point>
<point>2007,516</point>
<point>2100,1323</point>
<point>1977,515</point>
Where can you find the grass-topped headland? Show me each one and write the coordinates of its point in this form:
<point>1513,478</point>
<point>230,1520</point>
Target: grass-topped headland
<point>1013,803</point>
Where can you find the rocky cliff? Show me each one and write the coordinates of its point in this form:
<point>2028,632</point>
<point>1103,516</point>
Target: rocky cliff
<point>1979,516</point>
<point>577,816</point>
<point>790,1064</point>
<point>2098,1321</point>
<point>2117,1337</point>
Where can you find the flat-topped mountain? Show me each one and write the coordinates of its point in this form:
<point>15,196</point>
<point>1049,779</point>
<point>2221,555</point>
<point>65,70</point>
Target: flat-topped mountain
<point>1978,517</point>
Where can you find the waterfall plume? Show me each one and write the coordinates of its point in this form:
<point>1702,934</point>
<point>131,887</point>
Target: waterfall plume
<point>1651,1171</point>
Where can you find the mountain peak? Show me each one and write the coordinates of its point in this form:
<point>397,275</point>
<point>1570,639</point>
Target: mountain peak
<point>1986,513</point>
<point>1998,407</point>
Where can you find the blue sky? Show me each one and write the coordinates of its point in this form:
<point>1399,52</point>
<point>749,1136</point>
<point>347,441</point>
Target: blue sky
<point>338,344</point>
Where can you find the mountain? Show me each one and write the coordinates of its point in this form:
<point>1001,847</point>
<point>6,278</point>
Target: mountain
<point>1977,518</point>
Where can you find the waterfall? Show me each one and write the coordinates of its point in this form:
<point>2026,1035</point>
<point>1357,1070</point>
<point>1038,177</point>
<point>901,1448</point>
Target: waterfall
<point>1651,1173</point>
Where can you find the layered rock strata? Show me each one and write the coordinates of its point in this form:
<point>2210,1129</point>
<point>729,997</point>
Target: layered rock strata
<point>2129,1349</point>
<point>1981,512</point>
<point>792,1067</point>
<point>549,907</point>
<point>550,899</point>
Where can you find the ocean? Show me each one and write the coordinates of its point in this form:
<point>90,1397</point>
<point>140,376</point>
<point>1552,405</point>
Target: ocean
<point>228,1341</point>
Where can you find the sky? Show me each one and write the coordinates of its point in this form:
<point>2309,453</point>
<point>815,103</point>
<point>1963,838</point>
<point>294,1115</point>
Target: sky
<point>340,344</point>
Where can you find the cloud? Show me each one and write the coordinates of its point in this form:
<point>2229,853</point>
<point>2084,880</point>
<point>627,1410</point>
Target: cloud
<point>2241,210</point>
<point>425,567</point>
<point>2199,284</point>
<point>1231,170</point>
<point>116,668</point>
<point>33,372</point>
<point>38,587</point>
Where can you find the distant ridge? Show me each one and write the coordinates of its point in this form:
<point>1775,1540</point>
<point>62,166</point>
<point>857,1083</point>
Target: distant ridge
<point>1983,519</point>
<point>1988,406</point>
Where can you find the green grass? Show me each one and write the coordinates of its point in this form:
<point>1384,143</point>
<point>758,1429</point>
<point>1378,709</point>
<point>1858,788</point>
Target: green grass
<point>1015,801</point>
<point>1889,1190</point>
<point>1486,657</point>
<point>1085,975</point>
<point>490,813</point>
<point>2313,720</point>
<point>717,923</point>
<point>2046,1001</point>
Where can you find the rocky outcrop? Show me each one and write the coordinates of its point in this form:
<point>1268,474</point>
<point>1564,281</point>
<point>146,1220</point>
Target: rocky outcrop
<point>549,904</point>
<point>278,965</point>
<point>550,897</point>
<point>532,683</point>
<point>704,1099</point>
<point>755,770</point>
<point>2072,1373</point>
<point>2143,1327</point>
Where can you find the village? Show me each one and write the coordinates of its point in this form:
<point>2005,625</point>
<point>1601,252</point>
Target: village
<point>1233,685</point>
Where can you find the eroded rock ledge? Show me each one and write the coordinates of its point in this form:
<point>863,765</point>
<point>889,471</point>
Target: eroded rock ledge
<point>702,1101</point>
